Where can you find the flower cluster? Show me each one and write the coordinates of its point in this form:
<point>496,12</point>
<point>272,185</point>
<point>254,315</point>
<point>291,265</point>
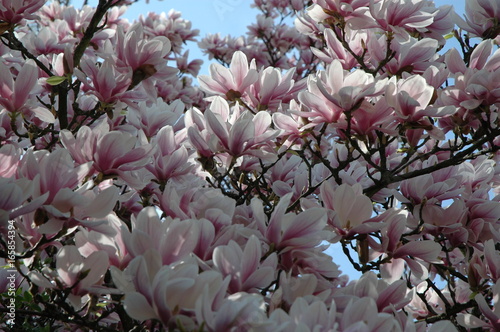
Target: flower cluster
<point>132,198</point>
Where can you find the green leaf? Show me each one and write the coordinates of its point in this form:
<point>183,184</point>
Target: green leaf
<point>449,35</point>
<point>56,80</point>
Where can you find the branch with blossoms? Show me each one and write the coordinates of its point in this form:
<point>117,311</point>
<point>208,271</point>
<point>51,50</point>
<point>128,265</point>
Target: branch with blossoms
<point>133,198</point>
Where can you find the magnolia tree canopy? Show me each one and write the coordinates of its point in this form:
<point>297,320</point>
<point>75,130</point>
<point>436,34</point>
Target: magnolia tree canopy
<point>136,195</point>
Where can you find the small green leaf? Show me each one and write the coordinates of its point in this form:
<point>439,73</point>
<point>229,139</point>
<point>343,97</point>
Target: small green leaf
<point>56,80</point>
<point>449,35</point>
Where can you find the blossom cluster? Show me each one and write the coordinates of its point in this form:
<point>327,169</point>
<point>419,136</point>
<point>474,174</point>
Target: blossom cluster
<point>147,197</point>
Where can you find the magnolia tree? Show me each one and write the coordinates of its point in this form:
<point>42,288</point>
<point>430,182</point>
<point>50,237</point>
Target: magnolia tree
<point>134,197</point>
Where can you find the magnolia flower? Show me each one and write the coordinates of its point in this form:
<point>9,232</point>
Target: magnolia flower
<point>153,291</point>
<point>335,50</point>
<point>411,98</point>
<point>348,207</point>
<point>491,319</point>
<point>238,135</point>
<point>193,67</point>
<point>411,55</point>
<point>336,91</point>
<point>14,11</point>
<point>272,88</point>
<point>244,266</point>
<point>171,25</point>
<point>145,57</point>
<point>347,9</point>
<point>14,199</point>
<point>237,312</point>
<point>170,159</point>
<point>481,18</point>
<point>108,238</point>
<point>287,231</point>
<point>81,275</point>
<point>393,15</point>
<point>425,189</point>
<point>56,171</point>
<point>171,238</point>
<point>112,152</point>
<point>107,82</point>
<point>10,155</point>
<point>232,82</point>
<point>151,118</point>
<point>15,94</point>
<point>304,316</point>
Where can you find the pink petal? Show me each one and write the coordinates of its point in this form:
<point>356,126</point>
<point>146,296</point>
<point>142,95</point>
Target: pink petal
<point>480,55</point>
<point>138,307</point>
<point>25,82</point>
<point>251,257</point>
<point>219,128</point>
<point>97,263</point>
<point>68,264</point>
<point>426,250</point>
<point>239,67</point>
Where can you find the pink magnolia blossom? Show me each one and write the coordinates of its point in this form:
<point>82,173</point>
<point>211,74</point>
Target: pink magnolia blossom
<point>411,98</point>
<point>150,119</point>
<point>172,247</point>
<point>335,50</point>
<point>247,134</point>
<point>492,321</point>
<point>443,23</point>
<point>480,79</point>
<point>10,156</point>
<point>111,152</point>
<point>193,67</point>
<point>361,315</point>
<point>45,42</point>
<point>291,125</point>
<point>239,311</point>
<point>81,275</point>
<point>450,221</point>
<point>244,266</point>
<point>197,204</point>
<point>213,206</point>
<point>328,97</point>
<point>347,9</point>
<point>59,189</point>
<point>107,82</point>
<point>15,94</point>
<point>290,231</point>
<point>156,291</point>
<point>231,82</point>
<point>146,57</point>
<point>13,12</point>
<point>427,189</point>
<point>481,18</point>
<point>393,15</point>
<point>289,176</point>
<point>272,88</point>
<point>348,207</point>
<point>14,199</point>
<point>56,171</point>
<point>171,25</point>
<point>305,316</point>
<point>134,51</point>
<point>492,259</point>
<point>107,238</point>
<point>411,55</point>
<point>170,160</point>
